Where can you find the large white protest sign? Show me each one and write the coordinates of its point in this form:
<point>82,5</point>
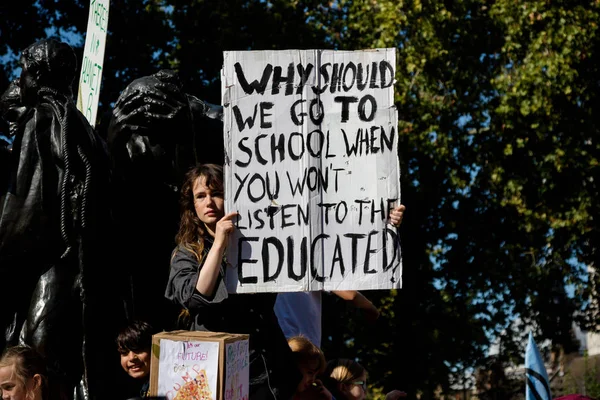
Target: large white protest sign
<point>88,94</point>
<point>312,168</point>
<point>188,369</point>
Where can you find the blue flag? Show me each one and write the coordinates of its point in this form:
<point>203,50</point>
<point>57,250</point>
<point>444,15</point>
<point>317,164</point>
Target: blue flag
<point>537,383</point>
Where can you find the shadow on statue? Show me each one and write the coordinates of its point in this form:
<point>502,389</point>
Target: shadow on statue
<point>156,134</point>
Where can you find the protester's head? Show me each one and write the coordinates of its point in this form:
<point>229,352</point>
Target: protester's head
<point>23,374</point>
<point>346,379</point>
<point>133,343</point>
<point>47,63</point>
<point>202,204</point>
<point>309,358</point>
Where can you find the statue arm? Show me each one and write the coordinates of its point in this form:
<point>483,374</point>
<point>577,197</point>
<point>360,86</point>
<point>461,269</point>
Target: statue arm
<point>140,108</point>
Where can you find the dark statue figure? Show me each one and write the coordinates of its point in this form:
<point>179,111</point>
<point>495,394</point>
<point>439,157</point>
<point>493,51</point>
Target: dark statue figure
<point>157,133</point>
<point>54,222</point>
<point>87,227</point>
<point>12,109</point>
<point>11,113</point>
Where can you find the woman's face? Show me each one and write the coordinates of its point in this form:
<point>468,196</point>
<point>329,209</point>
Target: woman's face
<point>13,389</point>
<point>208,204</point>
<point>356,389</point>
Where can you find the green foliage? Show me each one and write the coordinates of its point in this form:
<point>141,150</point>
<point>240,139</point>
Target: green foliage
<point>205,28</point>
<point>590,379</point>
<point>498,145</point>
<point>589,385</point>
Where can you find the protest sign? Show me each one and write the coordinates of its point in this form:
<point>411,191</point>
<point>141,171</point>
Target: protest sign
<point>200,365</point>
<point>88,94</point>
<point>312,169</point>
<point>186,367</point>
<point>237,371</point>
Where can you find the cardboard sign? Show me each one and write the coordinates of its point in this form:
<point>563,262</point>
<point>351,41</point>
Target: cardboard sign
<point>88,94</point>
<point>200,365</point>
<point>187,367</point>
<point>312,168</point>
<point>237,371</point>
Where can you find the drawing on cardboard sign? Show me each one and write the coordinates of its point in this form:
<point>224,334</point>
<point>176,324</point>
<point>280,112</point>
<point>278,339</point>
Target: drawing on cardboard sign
<point>195,389</point>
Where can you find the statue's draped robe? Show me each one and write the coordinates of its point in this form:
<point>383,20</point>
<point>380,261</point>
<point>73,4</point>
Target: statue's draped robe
<point>53,299</point>
<point>149,157</point>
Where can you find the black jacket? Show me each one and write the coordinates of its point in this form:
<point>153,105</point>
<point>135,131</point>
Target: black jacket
<point>273,372</point>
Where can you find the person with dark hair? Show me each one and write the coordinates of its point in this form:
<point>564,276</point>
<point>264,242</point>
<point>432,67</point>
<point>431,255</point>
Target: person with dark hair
<point>134,343</point>
<point>197,283</point>
<point>54,228</point>
<point>23,374</point>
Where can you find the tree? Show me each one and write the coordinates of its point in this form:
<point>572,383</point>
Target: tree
<point>500,167</point>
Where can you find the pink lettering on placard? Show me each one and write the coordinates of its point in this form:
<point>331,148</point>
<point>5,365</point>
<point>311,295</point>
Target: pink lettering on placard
<point>193,356</point>
<point>192,345</point>
<point>235,394</point>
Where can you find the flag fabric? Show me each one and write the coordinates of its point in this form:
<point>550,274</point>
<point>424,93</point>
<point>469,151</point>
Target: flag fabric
<point>537,383</point>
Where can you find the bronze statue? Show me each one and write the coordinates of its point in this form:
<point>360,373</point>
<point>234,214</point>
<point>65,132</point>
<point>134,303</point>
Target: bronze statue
<point>154,140</point>
<point>11,108</point>
<point>60,247</point>
<point>54,228</point>
<point>11,112</point>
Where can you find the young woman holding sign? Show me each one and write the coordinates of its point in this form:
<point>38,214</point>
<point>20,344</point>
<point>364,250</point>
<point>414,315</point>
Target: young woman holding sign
<point>197,283</point>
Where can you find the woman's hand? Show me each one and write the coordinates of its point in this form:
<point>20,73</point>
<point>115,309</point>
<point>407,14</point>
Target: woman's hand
<point>209,272</point>
<point>396,215</point>
<point>224,227</point>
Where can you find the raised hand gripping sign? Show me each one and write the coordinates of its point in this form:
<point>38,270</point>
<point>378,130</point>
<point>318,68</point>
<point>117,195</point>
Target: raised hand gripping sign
<point>312,168</point>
